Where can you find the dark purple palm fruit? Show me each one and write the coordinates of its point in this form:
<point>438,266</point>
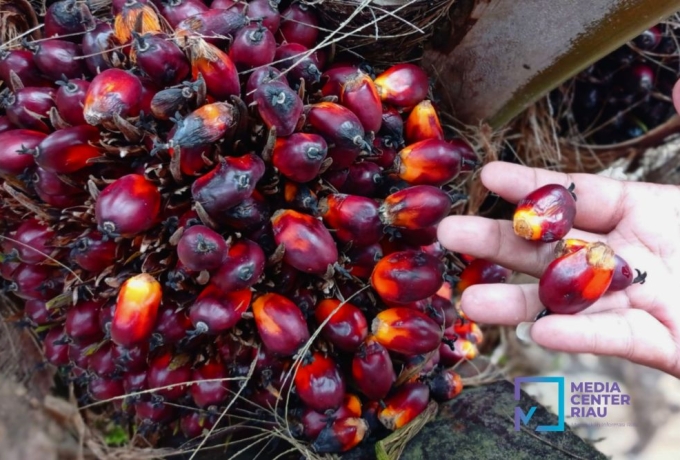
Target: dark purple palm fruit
<point>167,372</point>
<point>259,77</point>
<point>94,252</point>
<point>299,24</point>
<point>82,322</point>
<point>5,124</point>
<point>98,45</point>
<point>20,63</point>
<point>279,106</point>
<point>36,282</point>
<point>649,39</point>
<point>58,58</point>
<point>363,179</point>
<point>266,11</point>
<point>175,11</point>
<point>33,241</point>
<point>253,46</point>
<point>216,311</point>
<point>15,145</point>
<point>201,248</point>
<point>29,108</point>
<point>249,216</point>
<point>160,58</point>
<point>69,100</point>
<point>55,346</point>
<point>67,17</point>
<point>242,268</point>
<point>215,26</point>
<point>300,63</point>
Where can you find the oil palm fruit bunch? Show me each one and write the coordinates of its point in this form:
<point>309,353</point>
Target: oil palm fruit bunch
<point>194,193</point>
<point>625,94</point>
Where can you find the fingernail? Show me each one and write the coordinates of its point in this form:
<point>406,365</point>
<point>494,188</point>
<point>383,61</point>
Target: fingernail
<point>523,332</point>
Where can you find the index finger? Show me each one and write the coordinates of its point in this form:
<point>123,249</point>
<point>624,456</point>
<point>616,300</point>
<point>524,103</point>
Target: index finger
<point>600,203</point>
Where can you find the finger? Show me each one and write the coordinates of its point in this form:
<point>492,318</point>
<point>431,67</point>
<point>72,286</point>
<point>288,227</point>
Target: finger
<point>495,240</point>
<point>600,203</point>
<point>676,96</point>
<point>511,304</point>
<point>628,333</point>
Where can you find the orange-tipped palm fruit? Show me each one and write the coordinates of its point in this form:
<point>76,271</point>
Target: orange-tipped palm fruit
<point>280,323</point>
<point>406,331</point>
<point>546,214</point>
<point>575,281</point>
<point>407,276</point>
<point>445,385</point>
<point>319,383</point>
<point>429,162</point>
<point>360,95</point>
<point>136,310</point>
<point>341,435</point>
<point>481,271</point>
<point>568,246</point>
<point>405,404</point>
<point>402,85</point>
<point>423,123</point>
<point>136,17</point>
<point>420,206</point>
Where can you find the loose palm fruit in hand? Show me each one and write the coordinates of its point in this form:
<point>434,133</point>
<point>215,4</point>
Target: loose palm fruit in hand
<point>546,214</point>
<point>577,280</point>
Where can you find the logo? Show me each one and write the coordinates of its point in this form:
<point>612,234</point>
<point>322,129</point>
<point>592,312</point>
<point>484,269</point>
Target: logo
<point>522,417</point>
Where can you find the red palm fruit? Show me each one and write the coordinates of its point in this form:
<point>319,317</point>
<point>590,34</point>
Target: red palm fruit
<point>135,16</point>
<point>104,389</point>
<point>20,62</point>
<point>265,11</point>
<point>215,311</point>
<point>214,26</point>
<point>360,96</point>
<point>405,404</point>
<point>363,179</point>
<point>128,206</point>
<point>481,271</point>
<point>406,331</point>
<point>445,385</point>
<point>249,215</point>
<point>623,275</point>
<point>423,123</point>
<point>546,214</point>
<point>468,330</point>
<point>68,150</point>
<point>340,127</point>
<point>308,245</point>
<point>266,361</point>
<point>300,63</point>
<point>362,260</point>
<point>14,144</point>
<point>418,236</point>
<point>299,156</point>
<point>335,78</point>
<point>193,424</point>
<point>79,353</point>
<point>281,325</point>
<point>136,310</point>
<point>372,370</point>
<point>314,422</point>
<point>112,92</point>
<point>231,181</point>
<point>131,359</point>
<point>55,346</point>
<point>174,11</point>
<point>69,100</point>
<point>82,322</point>
<point>575,281</point>
<point>101,362</point>
<point>259,77</point>
<point>160,58</point>
<point>205,125</point>
<point>28,108</point>
<point>93,252</point>
<point>420,206</point>
<point>97,45</point>
<point>166,374</point>
<point>57,58</point>
<point>66,17</point>
<point>152,412</point>
<point>319,383</point>
<point>172,325</point>
<point>242,268</point>
<point>469,159</point>
<point>201,248</point>
<point>33,241</point>
<point>407,276</point>
<point>211,393</point>
<point>35,282</point>
<point>336,178</point>
<point>402,85</point>
<point>216,68</point>
<point>299,24</point>
<point>453,353</point>
<point>253,46</point>
<point>228,4</point>
<point>341,436</point>
<point>355,219</point>
<point>279,106</point>
<point>429,162</point>
<point>37,314</point>
<point>346,328</point>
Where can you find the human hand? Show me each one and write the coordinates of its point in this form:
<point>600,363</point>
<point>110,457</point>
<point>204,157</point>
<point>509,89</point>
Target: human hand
<point>640,221</point>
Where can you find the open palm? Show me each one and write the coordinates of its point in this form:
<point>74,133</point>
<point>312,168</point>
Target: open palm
<point>640,221</point>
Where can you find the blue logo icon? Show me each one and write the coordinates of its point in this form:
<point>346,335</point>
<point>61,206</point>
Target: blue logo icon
<point>522,417</point>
